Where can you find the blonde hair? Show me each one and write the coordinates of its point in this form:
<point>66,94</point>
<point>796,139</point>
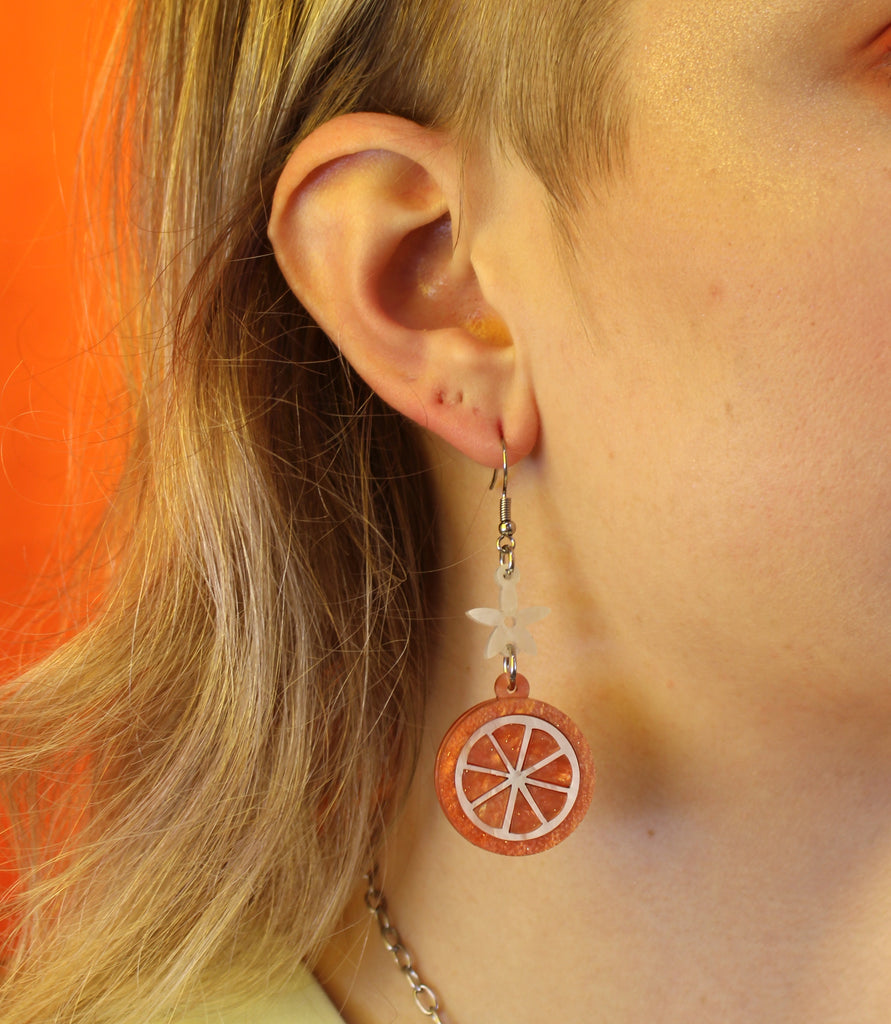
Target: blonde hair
<point>196,782</point>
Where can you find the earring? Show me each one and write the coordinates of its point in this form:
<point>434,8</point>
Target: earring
<point>513,775</point>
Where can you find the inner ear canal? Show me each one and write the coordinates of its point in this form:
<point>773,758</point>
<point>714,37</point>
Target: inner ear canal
<point>419,288</point>
<point>422,288</point>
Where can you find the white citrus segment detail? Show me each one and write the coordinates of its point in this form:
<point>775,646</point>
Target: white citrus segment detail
<point>498,783</point>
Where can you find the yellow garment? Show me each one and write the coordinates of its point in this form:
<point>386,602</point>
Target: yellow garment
<point>305,1004</point>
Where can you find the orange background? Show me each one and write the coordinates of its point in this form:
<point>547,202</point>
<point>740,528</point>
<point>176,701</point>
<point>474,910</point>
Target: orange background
<point>48,52</point>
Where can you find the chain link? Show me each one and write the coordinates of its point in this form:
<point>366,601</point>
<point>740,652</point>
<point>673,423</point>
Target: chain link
<point>426,999</point>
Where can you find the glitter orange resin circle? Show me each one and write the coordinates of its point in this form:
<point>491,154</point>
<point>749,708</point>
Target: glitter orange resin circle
<point>514,775</point>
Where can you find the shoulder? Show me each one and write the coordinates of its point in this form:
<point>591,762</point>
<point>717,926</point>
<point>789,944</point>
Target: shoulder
<point>304,1003</point>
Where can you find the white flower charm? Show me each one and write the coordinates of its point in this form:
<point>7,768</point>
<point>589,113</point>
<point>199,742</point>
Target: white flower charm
<point>510,624</point>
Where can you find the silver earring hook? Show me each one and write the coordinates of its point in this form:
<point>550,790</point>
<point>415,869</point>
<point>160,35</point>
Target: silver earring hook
<point>503,472</point>
<point>506,528</point>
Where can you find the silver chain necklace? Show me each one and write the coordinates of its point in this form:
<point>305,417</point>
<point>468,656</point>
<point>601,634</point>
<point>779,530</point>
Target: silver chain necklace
<point>426,999</point>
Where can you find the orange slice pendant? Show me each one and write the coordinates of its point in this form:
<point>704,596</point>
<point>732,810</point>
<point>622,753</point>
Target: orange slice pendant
<point>514,775</point>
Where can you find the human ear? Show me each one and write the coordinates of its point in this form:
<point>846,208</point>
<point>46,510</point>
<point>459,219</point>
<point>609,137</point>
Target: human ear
<point>366,227</point>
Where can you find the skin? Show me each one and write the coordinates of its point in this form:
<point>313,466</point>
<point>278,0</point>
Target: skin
<point>707,511</point>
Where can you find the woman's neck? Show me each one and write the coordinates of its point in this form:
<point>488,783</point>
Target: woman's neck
<point>735,864</point>
<point>741,875</point>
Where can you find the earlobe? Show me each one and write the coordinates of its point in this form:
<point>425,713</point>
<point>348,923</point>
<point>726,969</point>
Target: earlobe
<point>365,227</point>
